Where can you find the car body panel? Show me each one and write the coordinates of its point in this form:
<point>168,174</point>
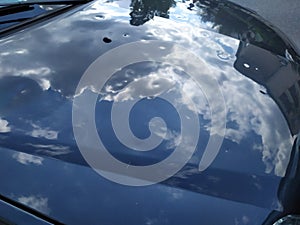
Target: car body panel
<point>13,215</point>
<point>42,167</point>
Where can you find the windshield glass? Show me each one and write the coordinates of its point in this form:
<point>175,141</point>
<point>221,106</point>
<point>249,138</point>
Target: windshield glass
<point>5,2</point>
<point>18,13</point>
<point>12,15</point>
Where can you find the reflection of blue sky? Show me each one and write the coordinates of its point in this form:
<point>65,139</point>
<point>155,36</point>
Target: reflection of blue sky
<point>16,216</point>
<point>258,120</point>
<point>56,184</point>
<point>257,116</point>
<point>36,117</point>
<point>146,85</point>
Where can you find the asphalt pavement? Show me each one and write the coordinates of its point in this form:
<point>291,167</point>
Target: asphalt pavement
<point>284,14</point>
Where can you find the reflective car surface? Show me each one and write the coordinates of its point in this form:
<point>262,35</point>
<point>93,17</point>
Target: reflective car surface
<point>208,79</point>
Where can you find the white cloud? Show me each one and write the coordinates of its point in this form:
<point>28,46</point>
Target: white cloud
<point>151,85</point>
<point>246,107</point>
<point>43,132</point>
<point>252,111</point>
<point>52,150</point>
<point>27,159</point>
<point>48,134</point>
<point>35,202</point>
<point>4,127</point>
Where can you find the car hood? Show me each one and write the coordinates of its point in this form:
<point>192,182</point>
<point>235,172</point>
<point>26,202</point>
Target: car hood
<point>252,106</point>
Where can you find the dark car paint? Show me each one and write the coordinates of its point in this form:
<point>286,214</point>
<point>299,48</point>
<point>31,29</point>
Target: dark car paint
<point>41,67</point>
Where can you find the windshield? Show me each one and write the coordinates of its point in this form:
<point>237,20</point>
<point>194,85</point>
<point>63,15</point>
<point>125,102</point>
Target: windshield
<point>6,2</point>
<point>15,14</point>
<point>10,1</point>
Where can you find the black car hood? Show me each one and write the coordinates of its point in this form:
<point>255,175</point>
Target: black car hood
<point>42,167</point>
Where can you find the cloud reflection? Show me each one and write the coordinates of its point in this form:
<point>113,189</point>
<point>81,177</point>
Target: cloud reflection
<point>45,133</point>
<point>36,202</point>
<point>27,159</point>
<point>51,150</point>
<point>249,112</point>
<point>4,127</point>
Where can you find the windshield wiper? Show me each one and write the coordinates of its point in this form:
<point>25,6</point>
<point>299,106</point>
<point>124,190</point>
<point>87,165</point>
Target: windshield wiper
<point>46,2</point>
<point>17,15</point>
<point>18,7</point>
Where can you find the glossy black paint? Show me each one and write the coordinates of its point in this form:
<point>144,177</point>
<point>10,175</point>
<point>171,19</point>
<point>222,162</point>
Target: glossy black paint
<point>250,181</point>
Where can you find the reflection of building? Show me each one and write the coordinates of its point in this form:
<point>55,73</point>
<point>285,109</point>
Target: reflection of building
<point>277,74</point>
